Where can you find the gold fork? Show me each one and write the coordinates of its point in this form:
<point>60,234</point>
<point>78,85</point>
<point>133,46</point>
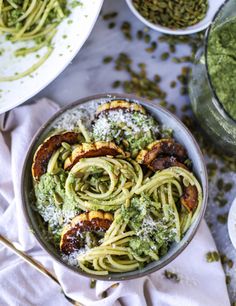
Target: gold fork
<point>36,265</point>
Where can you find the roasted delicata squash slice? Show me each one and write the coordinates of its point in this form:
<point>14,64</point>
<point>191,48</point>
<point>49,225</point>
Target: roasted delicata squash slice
<point>72,238</point>
<point>120,104</point>
<point>85,150</point>
<point>47,148</point>
<point>161,163</point>
<point>163,154</point>
<point>189,199</point>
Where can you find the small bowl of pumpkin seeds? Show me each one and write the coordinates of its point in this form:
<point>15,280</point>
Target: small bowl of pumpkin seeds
<point>175,17</point>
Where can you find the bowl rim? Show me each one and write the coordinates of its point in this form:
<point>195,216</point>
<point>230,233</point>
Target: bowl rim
<point>115,276</point>
<point>185,31</point>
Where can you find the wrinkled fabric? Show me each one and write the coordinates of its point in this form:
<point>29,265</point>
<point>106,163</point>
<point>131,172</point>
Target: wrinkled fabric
<point>201,283</point>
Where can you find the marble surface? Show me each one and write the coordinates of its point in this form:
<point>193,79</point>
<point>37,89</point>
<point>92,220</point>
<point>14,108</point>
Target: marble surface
<point>87,75</point>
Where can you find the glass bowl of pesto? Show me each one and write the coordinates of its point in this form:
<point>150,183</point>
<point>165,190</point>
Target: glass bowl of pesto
<point>124,222</point>
<point>212,86</point>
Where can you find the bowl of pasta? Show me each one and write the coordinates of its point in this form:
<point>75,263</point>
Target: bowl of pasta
<point>114,187</point>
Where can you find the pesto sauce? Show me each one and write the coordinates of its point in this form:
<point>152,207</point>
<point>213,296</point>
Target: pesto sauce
<point>153,233</point>
<point>56,213</point>
<point>221,57</point>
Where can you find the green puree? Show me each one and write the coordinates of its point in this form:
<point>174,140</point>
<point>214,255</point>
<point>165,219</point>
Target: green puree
<point>51,200</point>
<point>221,58</point>
<point>154,232</point>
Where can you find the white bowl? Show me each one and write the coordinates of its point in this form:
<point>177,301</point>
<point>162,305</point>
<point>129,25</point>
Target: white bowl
<point>203,24</point>
<point>68,40</point>
<point>232,223</point>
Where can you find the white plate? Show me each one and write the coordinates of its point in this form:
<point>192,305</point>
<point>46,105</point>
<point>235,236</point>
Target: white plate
<point>203,24</point>
<point>75,34</point>
<point>232,223</point>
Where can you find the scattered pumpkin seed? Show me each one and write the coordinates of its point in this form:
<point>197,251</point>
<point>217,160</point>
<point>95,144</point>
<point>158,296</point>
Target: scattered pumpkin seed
<point>172,48</point>
<point>163,103</point>
<point>152,48</point>
<point>226,261</point>
<point>173,84</point>
<point>222,218</point>
<point>165,56</point>
<point>212,256</point>
<point>172,276</point>
<point>227,279</point>
<point>228,187</point>
<point>92,283</point>
<point>184,91</point>
<point>138,83</point>
<point>116,84</point>
<point>139,35</point>
<point>126,30</point>
<point>111,25</point>
<point>147,38</point>
<point>185,108</point>
<point>110,15</point>
<point>107,59</point>
<point>157,78</point>
<point>172,108</point>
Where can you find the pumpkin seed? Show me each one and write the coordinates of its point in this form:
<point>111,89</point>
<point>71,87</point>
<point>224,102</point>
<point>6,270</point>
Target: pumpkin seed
<point>57,198</point>
<point>65,155</point>
<point>165,56</point>
<point>107,59</point>
<point>84,187</point>
<point>116,84</point>
<point>125,143</point>
<point>128,185</point>
<point>152,48</point>
<point>93,281</point>
<point>173,84</point>
<point>105,178</point>
<point>66,145</point>
<point>147,38</point>
<point>56,178</point>
<point>78,186</point>
<point>110,15</point>
<point>139,34</point>
<point>111,25</point>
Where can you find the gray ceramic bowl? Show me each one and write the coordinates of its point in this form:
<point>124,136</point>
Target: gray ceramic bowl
<point>181,134</point>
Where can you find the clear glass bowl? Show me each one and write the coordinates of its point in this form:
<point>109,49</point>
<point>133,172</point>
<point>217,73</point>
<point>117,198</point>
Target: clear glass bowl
<point>216,123</point>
